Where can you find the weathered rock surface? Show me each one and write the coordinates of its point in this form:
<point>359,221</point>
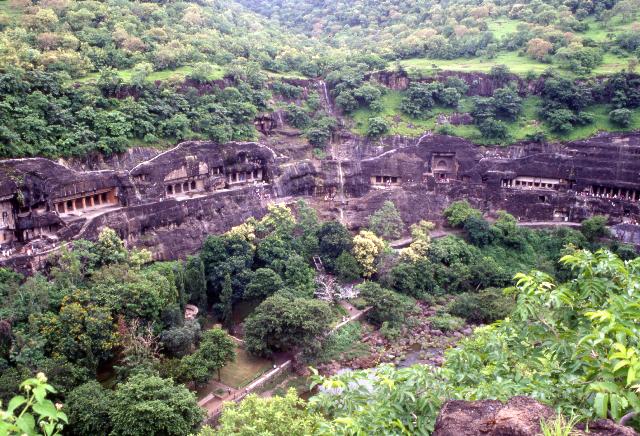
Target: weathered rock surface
<point>520,416</point>
<point>170,201</point>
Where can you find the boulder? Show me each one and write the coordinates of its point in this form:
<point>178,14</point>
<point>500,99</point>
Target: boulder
<point>520,416</point>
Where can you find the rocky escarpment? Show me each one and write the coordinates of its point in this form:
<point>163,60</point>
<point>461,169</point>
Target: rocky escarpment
<point>170,201</point>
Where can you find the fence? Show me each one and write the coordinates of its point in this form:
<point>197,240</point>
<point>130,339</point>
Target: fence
<point>240,394</point>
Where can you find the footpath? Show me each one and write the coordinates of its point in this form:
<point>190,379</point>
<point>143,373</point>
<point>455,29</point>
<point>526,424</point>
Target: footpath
<point>213,403</point>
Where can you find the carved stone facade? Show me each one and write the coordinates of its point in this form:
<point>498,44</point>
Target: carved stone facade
<point>171,201</point>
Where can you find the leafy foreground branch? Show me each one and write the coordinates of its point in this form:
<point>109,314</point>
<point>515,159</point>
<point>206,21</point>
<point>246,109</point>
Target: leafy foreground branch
<point>572,345</point>
<point>33,413</point>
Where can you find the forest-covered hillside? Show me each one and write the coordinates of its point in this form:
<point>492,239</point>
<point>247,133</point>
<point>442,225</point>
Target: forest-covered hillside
<point>86,77</point>
<point>313,296</point>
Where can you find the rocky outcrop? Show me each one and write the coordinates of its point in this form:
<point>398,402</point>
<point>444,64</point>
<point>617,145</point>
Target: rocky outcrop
<point>520,416</point>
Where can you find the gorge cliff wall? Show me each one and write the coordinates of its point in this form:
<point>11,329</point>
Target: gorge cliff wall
<point>168,202</point>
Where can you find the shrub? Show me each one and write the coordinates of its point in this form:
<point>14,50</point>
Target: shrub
<point>386,222</point>
<point>493,129</point>
<point>621,117</point>
<point>594,227</point>
<point>347,267</point>
<point>483,307</point>
<point>386,305</point>
<point>446,322</point>
<point>478,231</point>
<point>378,126</point>
<point>459,212</point>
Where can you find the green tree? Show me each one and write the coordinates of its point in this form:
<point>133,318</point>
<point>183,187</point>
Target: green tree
<point>178,341</point>
<point>478,231</point>
<point>491,128</point>
<point>81,331</point>
<point>507,103</point>
<point>216,349</point>
<point>297,117</point>
<point>458,212</point>
<point>621,117</point>
<point>147,404</point>
<point>226,301</point>
<point>33,413</point>
<point>195,282</point>
<point>110,248</point>
<point>347,267</point>
<point>595,227</point>
<point>264,282</point>
<point>386,305</point>
<point>88,407</point>
<point>378,126</point>
<point>333,239</point>
<point>386,222</point>
<point>282,324</point>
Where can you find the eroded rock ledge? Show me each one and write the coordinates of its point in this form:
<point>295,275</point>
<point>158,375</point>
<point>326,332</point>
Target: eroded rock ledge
<point>169,201</point>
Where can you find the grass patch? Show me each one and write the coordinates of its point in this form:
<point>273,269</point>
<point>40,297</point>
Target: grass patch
<point>244,370</point>
<point>287,75</point>
<point>520,65</point>
<point>502,26</point>
<point>599,31</point>
<point>344,344</point>
<point>179,73</point>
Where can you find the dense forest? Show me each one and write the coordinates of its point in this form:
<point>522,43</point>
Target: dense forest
<point>107,312</point>
<point>378,335</point>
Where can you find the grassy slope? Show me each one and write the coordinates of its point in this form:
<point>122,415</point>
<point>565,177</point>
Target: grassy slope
<point>177,73</point>
<point>527,123</point>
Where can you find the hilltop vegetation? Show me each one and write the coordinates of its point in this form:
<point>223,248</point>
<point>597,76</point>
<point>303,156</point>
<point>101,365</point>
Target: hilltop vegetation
<point>99,77</point>
<point>571,34</point>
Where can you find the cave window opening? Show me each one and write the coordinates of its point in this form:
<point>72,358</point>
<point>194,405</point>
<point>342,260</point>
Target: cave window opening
<point>96,199</point>
<point>103,197</point>
<point>178,188</point>
<point>170,189</point>
<point>185,186</point>
<point>193,184</point>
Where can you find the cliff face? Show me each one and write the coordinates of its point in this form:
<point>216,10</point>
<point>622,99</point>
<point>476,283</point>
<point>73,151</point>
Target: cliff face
<point>168,202</point>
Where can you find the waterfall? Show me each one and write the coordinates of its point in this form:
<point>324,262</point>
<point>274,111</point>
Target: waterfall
<point>422,137</point>
<point>326,96</point>
<point>336,155</point>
